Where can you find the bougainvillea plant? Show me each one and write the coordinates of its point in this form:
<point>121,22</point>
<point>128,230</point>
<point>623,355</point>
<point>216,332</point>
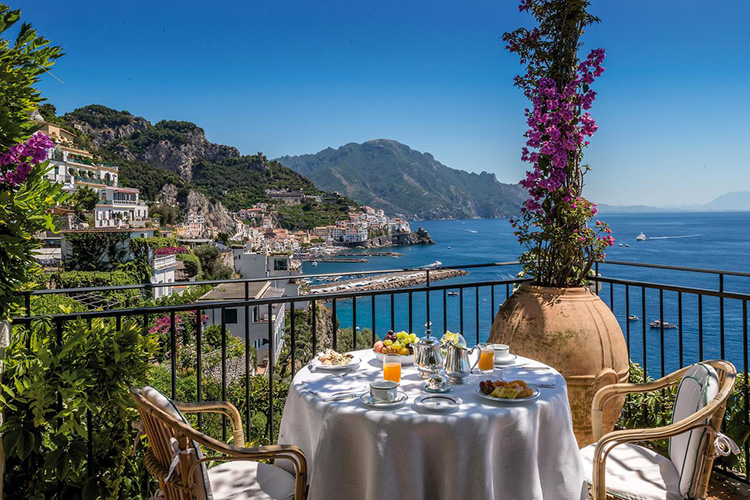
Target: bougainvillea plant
<point>170,251</point>
<point>555,221</point>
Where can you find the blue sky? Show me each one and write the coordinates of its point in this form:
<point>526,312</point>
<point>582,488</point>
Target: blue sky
<point>293,77</point>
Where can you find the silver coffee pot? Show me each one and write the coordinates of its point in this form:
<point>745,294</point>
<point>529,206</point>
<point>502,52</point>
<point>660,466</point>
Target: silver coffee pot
<point>457,363</point>
<point>427,355</point>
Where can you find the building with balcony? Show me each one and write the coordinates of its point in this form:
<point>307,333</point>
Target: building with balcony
<point>74,167</point>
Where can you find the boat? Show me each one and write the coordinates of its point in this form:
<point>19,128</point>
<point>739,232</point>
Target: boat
<point>640,237</point>
<point>449,247</point>
<point>452,294</point>
<point>620,244</point>
<point>314,263</point>
<point>627,245</point>
<point>658,324</point>
<point>437,263</point>
<point>633,317</point>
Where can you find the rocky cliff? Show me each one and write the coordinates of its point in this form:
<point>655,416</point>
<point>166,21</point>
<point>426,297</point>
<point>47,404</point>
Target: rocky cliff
<point>172,145</point>
<point>195,202</point>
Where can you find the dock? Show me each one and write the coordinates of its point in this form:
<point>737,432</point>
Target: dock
<point>387,281</point>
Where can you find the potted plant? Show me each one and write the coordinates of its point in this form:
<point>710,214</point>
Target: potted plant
<point>555,318</point>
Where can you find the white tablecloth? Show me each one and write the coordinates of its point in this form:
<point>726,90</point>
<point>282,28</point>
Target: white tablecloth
<point>482,451</point>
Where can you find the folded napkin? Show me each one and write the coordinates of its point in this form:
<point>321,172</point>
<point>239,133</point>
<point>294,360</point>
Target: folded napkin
<point>327,386</point>
<point>530,375</point>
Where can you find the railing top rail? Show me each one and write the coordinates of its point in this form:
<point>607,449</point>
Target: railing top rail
<point>322,297</point>
<point>267,278</point>
<point>674,288</point>
<point>677,268</point>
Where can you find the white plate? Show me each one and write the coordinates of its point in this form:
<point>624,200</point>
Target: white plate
<point>332,368</point>
<point>405,360</point>
<point>438,403</point>
<point>367,399</point>
<point>511,359</point>
<point>534,395</point>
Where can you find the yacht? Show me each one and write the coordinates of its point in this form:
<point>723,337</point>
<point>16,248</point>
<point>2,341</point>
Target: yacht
<point>452,293</point>
<point>633,317</point>
<point>658,324</point>
<point>640,237</point>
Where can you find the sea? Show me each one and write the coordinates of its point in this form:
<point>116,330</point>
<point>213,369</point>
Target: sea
<point>719,241</point>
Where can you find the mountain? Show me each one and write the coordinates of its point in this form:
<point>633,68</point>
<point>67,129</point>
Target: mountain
<point>737,201</point>
<point>172,160</point>
<point>389,175</point>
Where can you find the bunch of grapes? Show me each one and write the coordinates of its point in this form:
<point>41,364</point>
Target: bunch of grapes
<point>486,387</point>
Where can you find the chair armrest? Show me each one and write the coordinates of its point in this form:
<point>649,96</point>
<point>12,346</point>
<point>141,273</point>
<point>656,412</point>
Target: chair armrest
<point>276,451</point>
<point>223,407</point>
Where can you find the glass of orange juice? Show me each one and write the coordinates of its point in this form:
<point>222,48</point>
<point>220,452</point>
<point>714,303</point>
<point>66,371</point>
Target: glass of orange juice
<point>392,367</point>
<point>486,362</point>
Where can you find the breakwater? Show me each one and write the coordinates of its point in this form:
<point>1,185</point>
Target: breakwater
<point>386,281</point>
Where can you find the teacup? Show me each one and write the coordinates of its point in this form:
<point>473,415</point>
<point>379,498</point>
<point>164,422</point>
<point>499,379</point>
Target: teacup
<point>502,353</point>
<point>383,390</point>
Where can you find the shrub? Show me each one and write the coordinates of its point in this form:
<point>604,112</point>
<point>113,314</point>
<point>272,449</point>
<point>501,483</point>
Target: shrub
<point>49,388</point>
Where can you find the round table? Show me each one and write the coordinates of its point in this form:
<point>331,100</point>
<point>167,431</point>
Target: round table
<point>484,450</point>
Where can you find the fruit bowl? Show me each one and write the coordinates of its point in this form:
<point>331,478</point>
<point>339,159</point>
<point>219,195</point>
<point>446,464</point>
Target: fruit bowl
<point>396,344</point>
<point>406,359</point>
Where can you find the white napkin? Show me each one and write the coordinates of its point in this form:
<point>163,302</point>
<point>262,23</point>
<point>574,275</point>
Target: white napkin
<point>330,385</point>
<point>530,375</point>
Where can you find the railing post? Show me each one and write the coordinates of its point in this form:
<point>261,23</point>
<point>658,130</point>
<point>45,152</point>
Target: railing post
<point>224,370</point>
<point>270,373</point>
<point>199,359</point>
<point>354,323</point>
<point>721,314</point>
<point>427,296</point>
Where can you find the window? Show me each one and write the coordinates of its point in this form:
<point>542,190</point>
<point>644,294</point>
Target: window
<point>230,316</point>
<point>280,265</point>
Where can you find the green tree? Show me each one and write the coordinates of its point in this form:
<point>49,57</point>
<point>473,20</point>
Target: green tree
<point>25,195</point>
<point>84,200</point>
<point>210,259</point>
<point>22,62</point>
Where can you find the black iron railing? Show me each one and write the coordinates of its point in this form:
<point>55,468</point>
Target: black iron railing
<point>709,322</point>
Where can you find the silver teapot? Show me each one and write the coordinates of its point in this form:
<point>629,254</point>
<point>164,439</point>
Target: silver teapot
<point>457,363</point>
<point>427,355</point>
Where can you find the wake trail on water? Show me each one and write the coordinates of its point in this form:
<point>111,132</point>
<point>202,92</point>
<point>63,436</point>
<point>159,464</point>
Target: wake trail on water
<point>673,237</point>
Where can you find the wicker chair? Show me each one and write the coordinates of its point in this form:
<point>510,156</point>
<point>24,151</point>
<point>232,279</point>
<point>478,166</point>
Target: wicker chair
<point>175,459</point>
<point>617,468</point>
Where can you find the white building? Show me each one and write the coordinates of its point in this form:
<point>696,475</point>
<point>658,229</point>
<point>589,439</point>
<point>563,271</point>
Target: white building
<point>118,206</point>
<point>249,264</point>
<point>252,327</point>
<point>164,269</point>
<point>357,235</point>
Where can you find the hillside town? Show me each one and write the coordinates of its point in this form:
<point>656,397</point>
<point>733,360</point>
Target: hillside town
<point>112,222</point>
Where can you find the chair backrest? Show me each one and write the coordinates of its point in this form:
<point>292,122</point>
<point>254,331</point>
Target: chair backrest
<point>162,422</point>
<point>699,386</point>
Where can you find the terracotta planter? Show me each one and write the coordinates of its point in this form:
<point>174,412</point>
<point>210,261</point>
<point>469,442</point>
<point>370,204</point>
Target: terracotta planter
<point>572,330</point>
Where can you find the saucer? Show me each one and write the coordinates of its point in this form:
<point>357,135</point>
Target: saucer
<point>511,359</point>
<point>367,400</point>
<point>438,404</point>
<point>442,390</point>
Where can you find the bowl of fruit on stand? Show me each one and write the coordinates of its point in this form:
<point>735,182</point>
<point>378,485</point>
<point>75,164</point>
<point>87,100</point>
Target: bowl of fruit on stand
<point>396,343</point>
